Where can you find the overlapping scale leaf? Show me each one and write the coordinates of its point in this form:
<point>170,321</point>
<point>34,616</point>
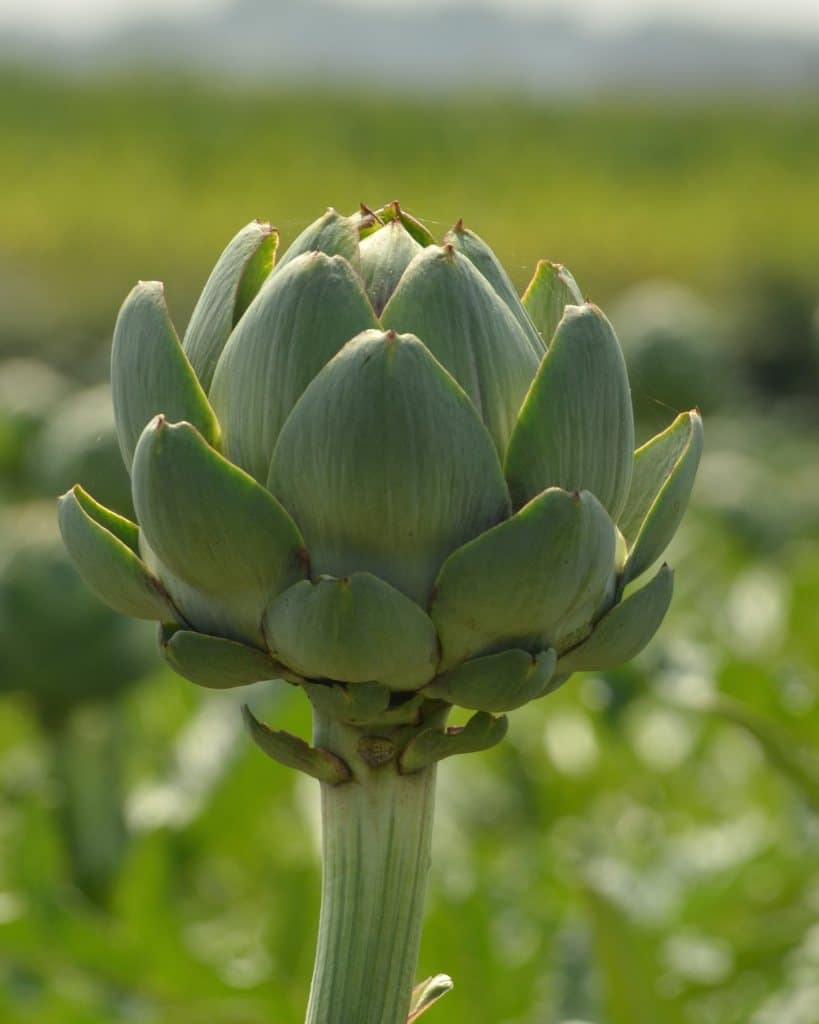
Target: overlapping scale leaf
<point>385,255</point>
<point>385,465</point>
<point>662,481</point>
<point>214,662</point>
<point>395,212</point>
<point>150,374</point>
<point>576,427</point>
<point>517,584</point>
<point>354,630</point>
<point>364,220</point>
<point>625,630</point>
<point>482,731</point>
<point>547,295</point>
<point>479,254</point>
<point>238,275</point>
<point>355,704</point>
<point>496,682</point>
<point>444,300</point>
<point>213,526</point>
<point>103,546</point>
<point>332,234</point>
<point>293,752</point>
<point>210,613</point>
<point>303,315</point>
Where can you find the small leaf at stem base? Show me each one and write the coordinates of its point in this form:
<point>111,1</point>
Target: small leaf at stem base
<point>481,732</point>
<point>428,992</point>
<point>293,752</point>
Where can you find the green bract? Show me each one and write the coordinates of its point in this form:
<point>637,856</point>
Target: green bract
<point>372,470</point>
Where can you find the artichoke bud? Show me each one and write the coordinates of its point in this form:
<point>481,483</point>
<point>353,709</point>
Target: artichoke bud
<point>363,471</point>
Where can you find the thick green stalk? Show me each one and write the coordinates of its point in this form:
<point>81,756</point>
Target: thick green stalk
<point>376,832</point>
<point>85,747</point>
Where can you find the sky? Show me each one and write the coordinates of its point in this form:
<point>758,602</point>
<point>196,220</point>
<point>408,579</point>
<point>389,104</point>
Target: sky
<point>86,17</point>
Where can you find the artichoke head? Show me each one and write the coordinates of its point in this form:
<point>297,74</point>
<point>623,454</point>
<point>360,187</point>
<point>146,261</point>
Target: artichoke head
<point>372,470</point>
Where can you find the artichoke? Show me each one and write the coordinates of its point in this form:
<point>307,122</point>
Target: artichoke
<point>59,646</point>
<point>28,391</point>
<point>373,471</point>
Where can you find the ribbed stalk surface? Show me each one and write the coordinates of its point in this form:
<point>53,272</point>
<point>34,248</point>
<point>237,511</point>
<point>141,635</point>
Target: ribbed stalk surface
<point>376,850</point>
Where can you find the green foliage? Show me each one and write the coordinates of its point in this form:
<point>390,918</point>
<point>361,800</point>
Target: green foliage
<point>621,857</point>
<point>98,173</point>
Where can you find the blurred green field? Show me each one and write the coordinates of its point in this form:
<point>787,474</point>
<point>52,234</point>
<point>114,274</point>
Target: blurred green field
<point>644,848</point>
<point>103,182</point>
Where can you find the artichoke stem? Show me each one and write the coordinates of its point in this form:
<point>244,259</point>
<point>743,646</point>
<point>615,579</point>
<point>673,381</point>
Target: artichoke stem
<point>376,832</point>
<point>85,745</point>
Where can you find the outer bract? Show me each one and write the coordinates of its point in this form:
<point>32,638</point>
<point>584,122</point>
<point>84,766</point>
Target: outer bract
<point>374,471</point>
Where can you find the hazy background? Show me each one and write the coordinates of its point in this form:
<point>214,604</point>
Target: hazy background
<point>644,846</point>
